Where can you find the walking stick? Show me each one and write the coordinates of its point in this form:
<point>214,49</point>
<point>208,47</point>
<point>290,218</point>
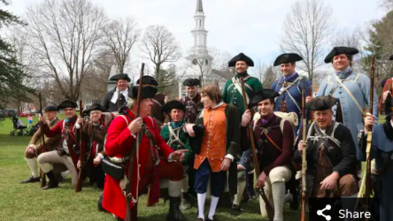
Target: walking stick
<point>304,160</point>
<point>269,207</point>
<point>82,154</point>
<point>130,214</point>
<point>42,174</point>
<point>366,180</point>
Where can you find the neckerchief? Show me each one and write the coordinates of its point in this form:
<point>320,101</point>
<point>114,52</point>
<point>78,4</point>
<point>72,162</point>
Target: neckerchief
<point>344,74</point>
<point>176,125</point>
<point>239,75</point>
<point>266,119</point>
<point>290,77</point>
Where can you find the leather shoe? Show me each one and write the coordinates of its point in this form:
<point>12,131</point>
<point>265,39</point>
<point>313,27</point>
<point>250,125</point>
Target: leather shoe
<point>31,179</point>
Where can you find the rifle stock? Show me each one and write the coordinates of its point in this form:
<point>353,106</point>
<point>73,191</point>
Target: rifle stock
<point>131,215</point>
<point>82,154</point>
<point>304,160</point>
<point>269,207</point>
<point>42,174</point>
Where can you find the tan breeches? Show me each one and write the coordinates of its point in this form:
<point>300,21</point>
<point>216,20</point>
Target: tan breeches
<point>48,158</point>
<point>278,174</point>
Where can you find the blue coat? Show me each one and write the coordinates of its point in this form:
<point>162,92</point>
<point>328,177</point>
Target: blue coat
<point>382,149</point>
<point>359,86</point>
<point>296,92</point>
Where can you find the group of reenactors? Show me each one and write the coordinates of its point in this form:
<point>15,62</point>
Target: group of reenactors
<point>214,141</point>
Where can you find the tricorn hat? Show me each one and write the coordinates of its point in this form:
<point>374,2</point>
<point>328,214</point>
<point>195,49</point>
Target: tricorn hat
<point>261,95</point>
<point>391,57</point>
<point>191,82</point>
<point>241,57</point>
<point>321,103</point>
<point>174,104</point>
<point>67,104</point>
<point>149,88</point>
<point>95,107</point>
<point>50,108</point>
<point>287,58</point>
<point>340,50</point>
<point>120,77</point>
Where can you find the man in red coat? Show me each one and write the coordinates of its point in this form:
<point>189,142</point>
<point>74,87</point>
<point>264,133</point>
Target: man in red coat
<point>148,167</point>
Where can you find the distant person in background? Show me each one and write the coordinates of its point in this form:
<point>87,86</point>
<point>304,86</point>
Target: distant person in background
<point>30,121</point>
<point>117,98</point>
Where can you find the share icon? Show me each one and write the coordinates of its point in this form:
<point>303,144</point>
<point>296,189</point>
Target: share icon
<point>320,212</point>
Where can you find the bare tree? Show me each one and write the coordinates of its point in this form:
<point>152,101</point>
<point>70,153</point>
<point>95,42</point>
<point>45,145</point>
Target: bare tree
<point>211,64</point>
<point>259,70</point>
<point>306,30</point>
<point>269,76</point>
<point>161,47</point>
<point>65,35</point>
<point>120,35</point>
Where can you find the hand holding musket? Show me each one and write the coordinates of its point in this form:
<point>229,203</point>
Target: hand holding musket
<point>304,154</point>
<point>260,190</point>
<point>82,154</point>
<point>137,127</point>
<point>42,174</point>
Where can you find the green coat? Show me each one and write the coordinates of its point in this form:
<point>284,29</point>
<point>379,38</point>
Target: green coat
<point>233,95</point>
<point>184,138</point>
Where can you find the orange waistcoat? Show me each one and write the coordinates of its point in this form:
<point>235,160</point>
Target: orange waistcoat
<point>214,150</point>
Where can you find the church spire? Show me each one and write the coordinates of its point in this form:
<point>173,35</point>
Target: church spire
<point>199,7</point>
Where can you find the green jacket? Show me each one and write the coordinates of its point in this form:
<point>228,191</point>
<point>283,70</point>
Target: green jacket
<point>184,138</point>
<point>232,93</point>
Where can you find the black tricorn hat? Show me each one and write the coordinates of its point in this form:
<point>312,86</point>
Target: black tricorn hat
<point>261,95</point>
<point>389,105</point>
<point>191,82</point>
<point>287,58</point>
<point>340,50</point>
<point>383,82</point>
<point>391,57</point>
<point>50,108</point>
<point>67,104</point>
<point>175,104</point>
<point>95,107</point>
<point>149,88</point>
<point>120,77</point>
<point>321,103</point>
<point>241,57</point>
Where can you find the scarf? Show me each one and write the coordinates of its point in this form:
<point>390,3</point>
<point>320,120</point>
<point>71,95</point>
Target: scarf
<point>70,120</point>
<point>290,77</point>
<point>176,125</point>
<point>344,74</point>
<point>116,95</point>
<point>265,119</point>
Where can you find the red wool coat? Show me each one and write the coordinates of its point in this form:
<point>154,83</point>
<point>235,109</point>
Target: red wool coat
<point>118,143</point>
<point>58,129</point>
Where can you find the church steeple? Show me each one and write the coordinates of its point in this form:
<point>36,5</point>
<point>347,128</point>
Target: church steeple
<point>199,32</point>
<point>199,7</point>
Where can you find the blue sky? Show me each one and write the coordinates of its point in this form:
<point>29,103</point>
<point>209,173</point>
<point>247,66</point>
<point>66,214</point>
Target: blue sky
<point>250,26</point>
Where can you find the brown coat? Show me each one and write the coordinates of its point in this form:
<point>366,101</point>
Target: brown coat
<point>50,142</point>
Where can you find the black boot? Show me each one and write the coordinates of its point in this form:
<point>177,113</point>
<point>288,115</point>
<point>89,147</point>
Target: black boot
<point>225,200</point>
<point>174,213</point>
<point>52,181</point>
<point>235,210</point>
<point>31,179</point>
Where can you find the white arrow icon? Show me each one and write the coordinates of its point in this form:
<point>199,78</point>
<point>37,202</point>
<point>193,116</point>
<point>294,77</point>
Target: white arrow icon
<point>320,212</point>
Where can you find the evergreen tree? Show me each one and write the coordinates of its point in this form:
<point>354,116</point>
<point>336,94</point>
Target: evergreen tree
<point>11,74</point>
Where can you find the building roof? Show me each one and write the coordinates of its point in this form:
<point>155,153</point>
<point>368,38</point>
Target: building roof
<point>199,6</point>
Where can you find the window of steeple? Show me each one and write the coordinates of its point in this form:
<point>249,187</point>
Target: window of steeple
<point>200,23</point>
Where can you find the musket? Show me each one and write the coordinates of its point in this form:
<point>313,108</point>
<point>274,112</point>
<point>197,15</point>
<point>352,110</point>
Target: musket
<point>311,113</point>
<point>366,181</point>
<point>82,154</point>
<point>42,174</point>
<point>132,214</point>
<point>269,207</point>
<point>304,154</point>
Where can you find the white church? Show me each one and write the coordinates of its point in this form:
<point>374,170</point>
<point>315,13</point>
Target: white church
<point>199,59</point>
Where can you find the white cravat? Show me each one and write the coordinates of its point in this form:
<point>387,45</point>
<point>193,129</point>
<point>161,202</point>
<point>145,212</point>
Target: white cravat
<point>116,95</point>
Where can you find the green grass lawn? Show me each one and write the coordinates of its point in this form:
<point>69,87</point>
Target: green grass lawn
<point>28,202</point>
